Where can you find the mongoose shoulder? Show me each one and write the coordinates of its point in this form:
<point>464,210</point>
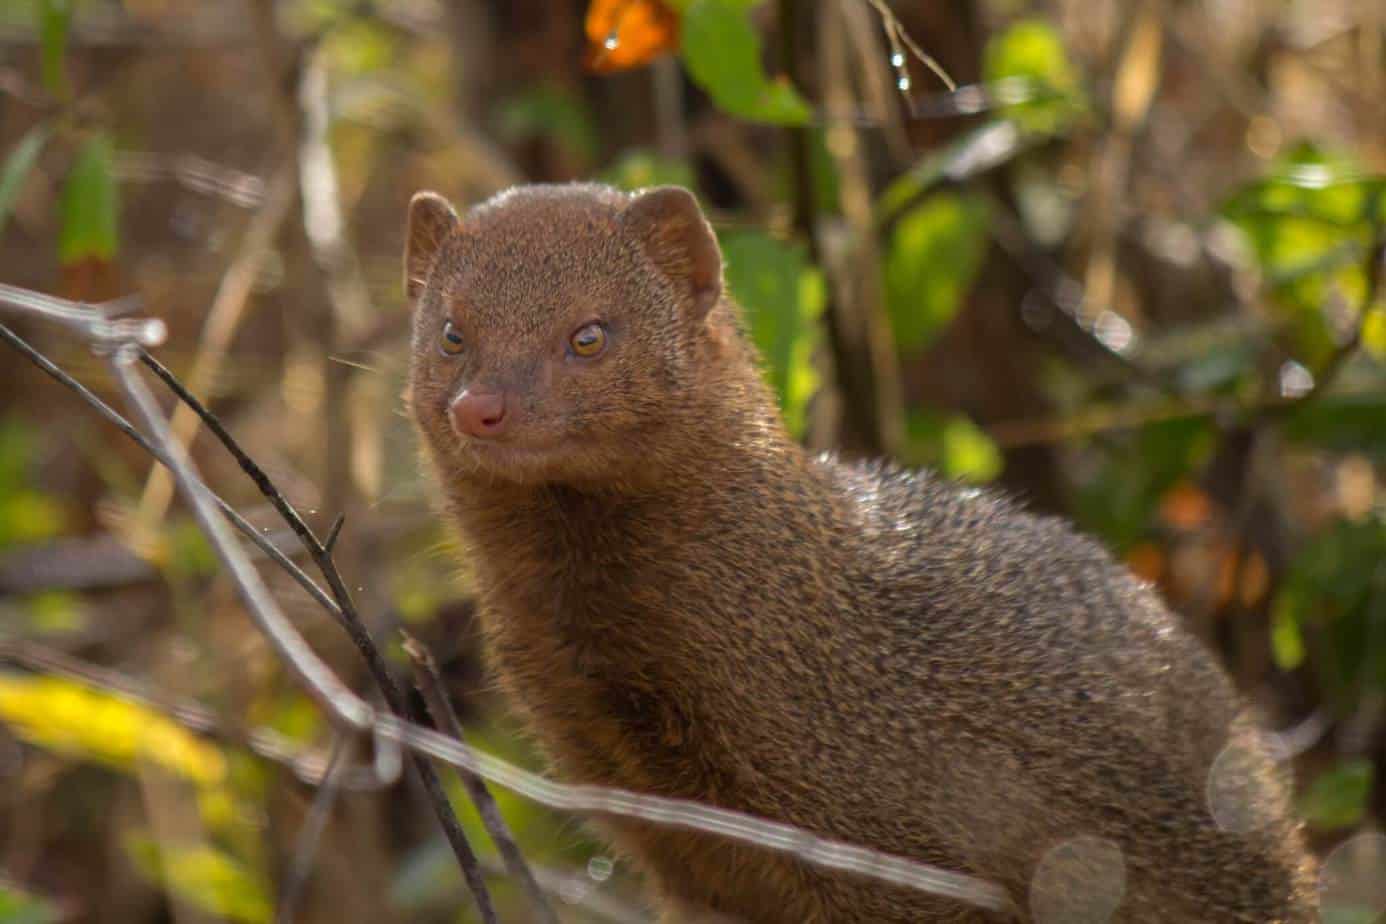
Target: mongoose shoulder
<point>682,601</point>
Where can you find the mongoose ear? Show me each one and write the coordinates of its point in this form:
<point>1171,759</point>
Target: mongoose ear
<point>678,239</point>
<point>431,220</point>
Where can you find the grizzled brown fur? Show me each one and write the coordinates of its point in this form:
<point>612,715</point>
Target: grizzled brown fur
<point>681,601</point>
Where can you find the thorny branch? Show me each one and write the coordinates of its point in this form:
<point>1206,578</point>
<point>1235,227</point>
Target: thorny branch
<point>351,714</point>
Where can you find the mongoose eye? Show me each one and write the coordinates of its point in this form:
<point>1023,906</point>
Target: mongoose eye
<point>451,344</point>
<point>589,341</point>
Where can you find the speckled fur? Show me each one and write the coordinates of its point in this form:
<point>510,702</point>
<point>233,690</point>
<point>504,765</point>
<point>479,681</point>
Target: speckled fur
<point>679,600</point>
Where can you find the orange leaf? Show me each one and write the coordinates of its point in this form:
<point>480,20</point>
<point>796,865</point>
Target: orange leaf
<point>623,34</point>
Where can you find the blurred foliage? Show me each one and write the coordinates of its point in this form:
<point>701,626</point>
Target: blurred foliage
<point>1224,194</point>
<point>1338,798</point>
<point>936,249</point>
<point>955,446</point>
<point>722,52</point>
<point>89,205</point>
<point>1029,59</point>
<point>204,878</point>
<point>27,514</point>
<point>75,720</point>
<point>782,295</point>
<point>18,908</point>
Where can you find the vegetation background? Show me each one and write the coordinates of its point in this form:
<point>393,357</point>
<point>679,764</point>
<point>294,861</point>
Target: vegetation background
<point>1129,270</point>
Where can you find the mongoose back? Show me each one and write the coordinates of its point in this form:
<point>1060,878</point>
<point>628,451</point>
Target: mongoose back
<point>680,600</point>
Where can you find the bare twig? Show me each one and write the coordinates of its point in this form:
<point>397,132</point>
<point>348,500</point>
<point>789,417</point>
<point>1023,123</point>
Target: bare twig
<point>310,835</point>
<point>430,686</point>
<point>349,712</point>
<point>576,888</point>
<point>900,41</point>
<point>350,621</point>
<point>263,543</point>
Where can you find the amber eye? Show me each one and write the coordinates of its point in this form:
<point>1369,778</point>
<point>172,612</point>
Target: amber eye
<point>451,344</point>
<point>589,340</point>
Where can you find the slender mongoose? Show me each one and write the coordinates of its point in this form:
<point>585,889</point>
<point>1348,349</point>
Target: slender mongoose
<point>680,600</point>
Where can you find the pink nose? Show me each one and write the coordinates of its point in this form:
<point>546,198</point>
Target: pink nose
<point>480,413</point>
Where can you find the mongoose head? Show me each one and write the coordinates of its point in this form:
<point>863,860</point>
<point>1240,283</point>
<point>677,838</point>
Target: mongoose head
<point>558,328</point>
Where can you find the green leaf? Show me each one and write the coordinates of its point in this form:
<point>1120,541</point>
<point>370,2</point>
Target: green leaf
<point>1338,798</point>
<point>957,447</point>
<point>722,53</point>
<point>1310,224</point>
<point>204,877</point>
<point>1031,54</point>
<point>935,251</point>
<point>639,169</point>
<point>17,166</point>
<point>783,296</point>
<point>1343,423</point>
<point>55,16</point>
<point>1287,639</point>
<point>89,206</point>
<point>18,908</point>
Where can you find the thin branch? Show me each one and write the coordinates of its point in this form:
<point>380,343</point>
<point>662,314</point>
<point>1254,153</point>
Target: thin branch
<point>349,712</point>
<point>350,621</point>
<point>310,835</point>
<point>263,543</point>
<point>430,686</point>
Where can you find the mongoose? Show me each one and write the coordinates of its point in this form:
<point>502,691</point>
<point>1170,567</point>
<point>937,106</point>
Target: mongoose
<point>681,600</point>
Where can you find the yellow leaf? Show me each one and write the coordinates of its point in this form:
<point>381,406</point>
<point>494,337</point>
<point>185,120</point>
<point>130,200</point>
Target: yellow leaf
<point>72,719</point>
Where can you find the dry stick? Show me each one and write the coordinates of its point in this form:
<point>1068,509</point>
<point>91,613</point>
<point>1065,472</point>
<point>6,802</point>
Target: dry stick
<point>350,621</point>
<point>310,835</point>
<point>112,415</point>
<point>430,686</point>
<point>347,711</point>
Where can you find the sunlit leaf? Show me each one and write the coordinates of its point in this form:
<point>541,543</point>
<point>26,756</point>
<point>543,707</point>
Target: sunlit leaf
<point>623,34</point>
<point>722,53</point>
<point>639,169</point>
<point>204,877</point>
<point>935,251</point>
<point>1338,798</point>
<point>89,206</point>
<point>71,719</point>
<point>953,445</point>
<point>55,18</point>
<point>18,908</point>
<point>1310,224</point>
<point>1032,53</point>
<point>783,296</point>
<point>1287,638</point>
<point>20,161</point>
<point>360,45</point>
